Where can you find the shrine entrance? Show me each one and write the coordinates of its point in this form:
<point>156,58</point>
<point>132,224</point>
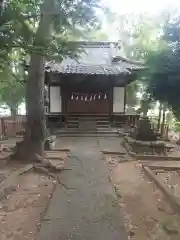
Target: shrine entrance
<point>88,103</point>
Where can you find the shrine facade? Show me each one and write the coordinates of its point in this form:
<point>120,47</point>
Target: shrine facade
<point>93,86</point>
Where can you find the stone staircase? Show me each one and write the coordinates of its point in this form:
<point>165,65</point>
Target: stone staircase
<point>119,123</point>
<point>87,122</point>
<point>64,132</point>
<point>72,122</point>
<point>87,126</point>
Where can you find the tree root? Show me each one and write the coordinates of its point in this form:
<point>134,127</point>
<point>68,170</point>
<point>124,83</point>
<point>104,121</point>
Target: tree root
<point>43,170</point>
<point>47,164</point>
<point>45,167</point>
<point>40,164</point>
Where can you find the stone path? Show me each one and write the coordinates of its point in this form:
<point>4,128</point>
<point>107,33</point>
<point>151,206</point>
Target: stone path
<point>89,210</point>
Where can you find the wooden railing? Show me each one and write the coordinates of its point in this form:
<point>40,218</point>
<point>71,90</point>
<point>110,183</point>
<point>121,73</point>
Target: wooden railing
<point>162,131</point>
<point>10,127</point>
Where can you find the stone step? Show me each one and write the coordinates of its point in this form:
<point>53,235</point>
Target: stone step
<point>103,126</point>
<point>72,124</point>
<point>87,119</point>
<point>87,125</point>
<point>85,133</point>
<point>119,124</point>
<point>102,122</point>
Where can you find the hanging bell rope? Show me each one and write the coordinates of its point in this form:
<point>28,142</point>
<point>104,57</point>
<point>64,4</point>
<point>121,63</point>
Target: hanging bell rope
<point>88,97</point>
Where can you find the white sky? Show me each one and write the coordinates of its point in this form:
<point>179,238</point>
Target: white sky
<point>151,7</point>
<point>138,6</point>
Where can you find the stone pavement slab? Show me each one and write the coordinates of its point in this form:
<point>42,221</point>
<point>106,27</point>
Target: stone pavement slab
<point>111,143</point>
<point>89,209</point>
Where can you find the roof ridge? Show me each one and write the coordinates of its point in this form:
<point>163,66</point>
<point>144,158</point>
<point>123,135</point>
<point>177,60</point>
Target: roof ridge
<point>116,59</point>
<point>94,42</point>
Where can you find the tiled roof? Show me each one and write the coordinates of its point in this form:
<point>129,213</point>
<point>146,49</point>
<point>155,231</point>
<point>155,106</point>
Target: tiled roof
<point>89,69</point>
<point>94,60</point>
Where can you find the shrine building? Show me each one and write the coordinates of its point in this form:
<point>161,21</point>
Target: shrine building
<point>90,87</point>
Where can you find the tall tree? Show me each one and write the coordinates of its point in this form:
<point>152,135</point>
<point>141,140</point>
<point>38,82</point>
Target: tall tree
<point>53,21</point>
<point>163,76</point>
<point>137,33</point>
<point>162,73</point>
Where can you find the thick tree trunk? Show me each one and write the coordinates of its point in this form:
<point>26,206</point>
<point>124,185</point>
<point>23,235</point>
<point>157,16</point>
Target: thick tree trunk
<point>35,105</point>
<point>35,130</point>
<point>33,142</point>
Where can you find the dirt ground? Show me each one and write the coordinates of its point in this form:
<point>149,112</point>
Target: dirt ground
<point>147,215</point>
<point>23,207</point>
<point>171,180</point>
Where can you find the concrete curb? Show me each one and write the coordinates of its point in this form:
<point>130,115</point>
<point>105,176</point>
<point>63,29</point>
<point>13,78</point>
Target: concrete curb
<point>58,150</point>
<point>148,157</point>
<point>154,157</point>
<point>167,194</point>
<point>167,168</point>
<point>111,152</point>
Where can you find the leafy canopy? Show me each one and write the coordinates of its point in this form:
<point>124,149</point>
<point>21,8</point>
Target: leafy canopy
<point>163,73</point>
<point>19,21</point>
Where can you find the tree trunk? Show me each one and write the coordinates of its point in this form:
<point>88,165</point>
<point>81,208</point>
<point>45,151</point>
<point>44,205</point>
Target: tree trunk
<point>159,117</point>
<point>145,108</point>
<point>163,120</point>
<point>13,113</point>
<point>1,5</point>
<point>35,129</point>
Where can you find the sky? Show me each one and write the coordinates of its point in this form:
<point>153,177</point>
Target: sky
<point>151,7</point>
<point>139,6</point>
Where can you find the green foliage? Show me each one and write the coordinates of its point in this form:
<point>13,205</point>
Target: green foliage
<point>163,73</point>
<point>137,33</point>
<point>20,18</point>
<point>12,82</point>
<point>131,94</point>
<point>11,91</point>
<point>177,126</point>
<point>19,21</point>
<point>97,35</point>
